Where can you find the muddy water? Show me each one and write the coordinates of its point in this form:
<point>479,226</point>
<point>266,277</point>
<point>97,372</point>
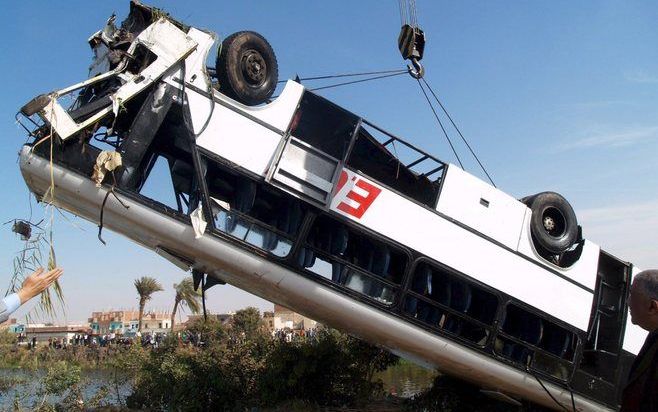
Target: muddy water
<point>23,386</point>
<point>406,379</point>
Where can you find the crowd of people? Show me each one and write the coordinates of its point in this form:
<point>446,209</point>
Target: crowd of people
<point>80,339</point>
<point>290,335</point>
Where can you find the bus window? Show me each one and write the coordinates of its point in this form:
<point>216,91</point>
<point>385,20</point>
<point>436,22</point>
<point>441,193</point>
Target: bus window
<point>323,125</point>
<point>353,260</point>
<point>442,300</point>
<point>248,212</point>
<point>533,341</point>
<point>404,170</point>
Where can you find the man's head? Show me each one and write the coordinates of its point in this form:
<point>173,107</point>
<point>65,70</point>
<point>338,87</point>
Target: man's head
<point>643,301</point>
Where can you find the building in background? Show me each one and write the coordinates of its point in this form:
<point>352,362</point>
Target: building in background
<point>12,326</point>
<point>126,322</point>
<point>155,322</point>
<point>113,321</point>
<point>54,333</point>
<point>284,318</point>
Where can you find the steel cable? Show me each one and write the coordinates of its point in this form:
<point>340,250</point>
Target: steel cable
<point>440,124</point>
<point>333,76</point>
<point>459,132</point>
<point>359,81</point>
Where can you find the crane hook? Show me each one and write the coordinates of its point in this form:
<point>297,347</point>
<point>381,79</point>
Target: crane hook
<point>411,43</point>
<point>416,70</point>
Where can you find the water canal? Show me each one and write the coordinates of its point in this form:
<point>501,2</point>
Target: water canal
<point>25,386</point>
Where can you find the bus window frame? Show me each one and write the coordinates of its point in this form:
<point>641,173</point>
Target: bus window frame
<point>574,363</point>
<point>492,328</point>
<point>362,231</point>
<point>206,157</point>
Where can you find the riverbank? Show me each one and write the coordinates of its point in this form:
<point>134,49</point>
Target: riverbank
<point>233,368</point>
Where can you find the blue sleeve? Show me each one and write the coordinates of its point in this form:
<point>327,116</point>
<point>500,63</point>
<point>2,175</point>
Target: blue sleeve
<point>11,303</point>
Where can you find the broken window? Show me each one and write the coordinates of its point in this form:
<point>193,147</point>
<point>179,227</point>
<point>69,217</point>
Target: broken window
<point>396,164</point>
<point>442,300</point>
<point>159,186</point>
<point>323,125</point>
<point>252,213</point>
<point>352,259</point>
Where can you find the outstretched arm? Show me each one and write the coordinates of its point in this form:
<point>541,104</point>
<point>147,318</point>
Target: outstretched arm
<point>37,283</point>
<point>33,285</point>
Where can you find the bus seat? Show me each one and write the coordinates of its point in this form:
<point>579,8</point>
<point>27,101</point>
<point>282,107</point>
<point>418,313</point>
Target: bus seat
<point>323,240</point>
<point>460,300</point>
<point>428,313</point>
<point>339,240</point>
<point>531,330</point>
<point>366,257</point>
<point>557,343</point>
<point>245,195</point>
<point>336,272</point>
<point>521,354</point>
<point>460,296</point>
<point>411,305</point>
<point>441,289</point>
<point>422,280</point>
<point>381,261</point>
<point>305,257</point>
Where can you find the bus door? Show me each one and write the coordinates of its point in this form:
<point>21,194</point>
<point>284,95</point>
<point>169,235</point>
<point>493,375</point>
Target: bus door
<point>603,365</point>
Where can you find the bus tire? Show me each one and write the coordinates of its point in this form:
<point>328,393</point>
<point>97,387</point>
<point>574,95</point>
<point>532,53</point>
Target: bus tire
<point>247,70</point>
<point>553,223</point>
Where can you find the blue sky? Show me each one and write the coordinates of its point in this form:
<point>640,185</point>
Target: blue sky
<point>557,95</point>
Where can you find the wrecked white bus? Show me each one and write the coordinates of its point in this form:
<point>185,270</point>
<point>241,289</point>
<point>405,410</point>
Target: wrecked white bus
<point>307,205</point>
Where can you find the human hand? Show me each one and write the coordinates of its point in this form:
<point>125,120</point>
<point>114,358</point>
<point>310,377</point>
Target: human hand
<point>37,282</point>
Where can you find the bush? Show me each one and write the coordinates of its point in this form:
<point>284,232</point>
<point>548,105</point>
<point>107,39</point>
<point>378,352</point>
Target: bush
<point>61,377</point>
<point>334,369</point>
<point>243,367</point>
<point>221,375</point>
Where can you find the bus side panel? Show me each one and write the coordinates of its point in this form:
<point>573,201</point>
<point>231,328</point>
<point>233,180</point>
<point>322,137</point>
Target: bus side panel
<point>480,205</point>
<point>241,140</point>
<point>425,231</point>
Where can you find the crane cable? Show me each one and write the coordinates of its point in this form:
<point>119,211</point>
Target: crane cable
<point>334,76</point>
<point>403,12</point>
<point>412,43</point>
<point>456,128</point>
<point>440,124</point>
<point>408,13</point>
<point>382,74</point>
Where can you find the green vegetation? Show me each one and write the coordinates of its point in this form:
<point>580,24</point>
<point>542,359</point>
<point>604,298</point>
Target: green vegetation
<point>241,367</point>
<point>233,368</point>
<point>37,251</point>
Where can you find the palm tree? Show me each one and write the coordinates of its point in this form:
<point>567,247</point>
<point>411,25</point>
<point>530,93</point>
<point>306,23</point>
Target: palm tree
<point>185,296</point>
<point>146,286</point>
